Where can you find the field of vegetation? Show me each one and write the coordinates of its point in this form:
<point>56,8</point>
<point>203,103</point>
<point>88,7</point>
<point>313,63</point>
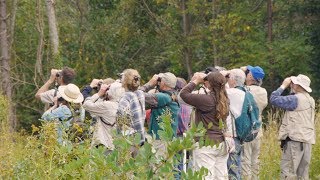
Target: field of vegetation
<point>38,156</point>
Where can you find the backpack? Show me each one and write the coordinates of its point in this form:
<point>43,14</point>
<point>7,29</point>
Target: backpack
<point>248,124</point>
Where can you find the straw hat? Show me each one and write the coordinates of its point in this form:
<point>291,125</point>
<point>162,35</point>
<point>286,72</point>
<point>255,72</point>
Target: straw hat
<point>71,93</point>
<point>303,81</point>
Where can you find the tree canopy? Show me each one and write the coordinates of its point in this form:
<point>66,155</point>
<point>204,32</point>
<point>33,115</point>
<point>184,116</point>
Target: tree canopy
<point>100,38</point>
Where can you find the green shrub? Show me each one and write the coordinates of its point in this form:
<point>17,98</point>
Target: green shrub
<point>4,113</point>
<point>39,156</point>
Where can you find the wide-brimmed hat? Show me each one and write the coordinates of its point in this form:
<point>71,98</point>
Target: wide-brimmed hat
<point>303,81</point>
<point>169,79</point>
<point>257,72</point>
<point>71,93</point>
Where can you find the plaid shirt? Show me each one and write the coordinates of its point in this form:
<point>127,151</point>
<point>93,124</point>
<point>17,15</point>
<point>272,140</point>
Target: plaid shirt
<point>183,118</point>
<point>132,104</point>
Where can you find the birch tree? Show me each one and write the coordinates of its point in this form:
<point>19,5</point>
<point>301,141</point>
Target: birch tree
<point>53,31</point>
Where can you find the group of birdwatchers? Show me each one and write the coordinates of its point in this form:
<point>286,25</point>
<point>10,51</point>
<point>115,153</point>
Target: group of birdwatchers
<point>212,96</point>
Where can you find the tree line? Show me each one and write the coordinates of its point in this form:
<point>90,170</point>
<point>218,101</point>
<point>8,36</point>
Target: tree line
<point>100,38</point>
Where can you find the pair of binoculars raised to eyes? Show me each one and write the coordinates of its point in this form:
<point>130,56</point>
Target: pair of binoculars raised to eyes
<point>58,74</point>
<point>97,88</point>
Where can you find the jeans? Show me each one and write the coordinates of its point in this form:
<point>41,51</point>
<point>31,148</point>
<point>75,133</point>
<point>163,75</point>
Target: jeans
<point>234,161</point>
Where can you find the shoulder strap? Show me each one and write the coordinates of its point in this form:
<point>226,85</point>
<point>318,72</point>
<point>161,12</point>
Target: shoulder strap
<point>232,122</point>
<point>242,88</point>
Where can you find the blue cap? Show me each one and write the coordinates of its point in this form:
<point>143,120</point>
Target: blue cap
<point>257,72</point>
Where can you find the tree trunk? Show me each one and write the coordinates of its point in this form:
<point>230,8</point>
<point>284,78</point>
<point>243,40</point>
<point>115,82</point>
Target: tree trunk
<point>38,65</point>
<point>53,32</point>
<point>5,62</point>
<point>187,53</point>
<point>216,61</point>
<point>12,23</point>
<point>269,40</point>
<point>269,21</point>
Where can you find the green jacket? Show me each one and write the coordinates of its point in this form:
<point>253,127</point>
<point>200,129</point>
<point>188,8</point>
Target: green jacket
<point>164,101</point>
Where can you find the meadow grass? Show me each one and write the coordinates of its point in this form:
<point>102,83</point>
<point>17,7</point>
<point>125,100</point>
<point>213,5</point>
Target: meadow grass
<point>30,156</point>
<point>271,153</point>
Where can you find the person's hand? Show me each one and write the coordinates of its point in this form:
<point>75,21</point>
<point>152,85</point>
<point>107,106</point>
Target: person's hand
<point>53,74</point>
<point>198,78</point>
<point>286,83</point>
<point>224,72</point>
<point>94,83</point>
<point>243,68</point>
<point>104,88</point>
<point>154,80</point>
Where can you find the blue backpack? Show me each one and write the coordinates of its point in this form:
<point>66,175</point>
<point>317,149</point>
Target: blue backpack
<point>248,124</point>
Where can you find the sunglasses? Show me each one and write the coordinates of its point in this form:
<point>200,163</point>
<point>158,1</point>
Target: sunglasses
<point>136,78</point>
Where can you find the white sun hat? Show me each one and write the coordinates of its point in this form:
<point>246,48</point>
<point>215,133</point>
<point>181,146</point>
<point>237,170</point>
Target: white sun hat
<point>303,81</point>
<point>71,93</point>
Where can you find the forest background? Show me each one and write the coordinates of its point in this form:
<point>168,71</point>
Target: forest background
<point>100,38</point>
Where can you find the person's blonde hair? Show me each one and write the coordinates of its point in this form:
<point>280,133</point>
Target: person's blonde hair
<point>108,81</point>
<point>131,79</point>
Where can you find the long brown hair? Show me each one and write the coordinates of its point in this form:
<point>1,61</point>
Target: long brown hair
<point>217,86</point>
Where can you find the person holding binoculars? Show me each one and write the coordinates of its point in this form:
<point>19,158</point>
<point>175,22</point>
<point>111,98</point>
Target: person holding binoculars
<point>60,78</point>
<point>164,98</point>
<point>211,109</point>
<point>103,106</point>
<point>95,85</point>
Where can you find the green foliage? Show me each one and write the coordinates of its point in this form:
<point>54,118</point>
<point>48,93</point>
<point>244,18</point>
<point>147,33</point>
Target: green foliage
<point>40,156</point>
<point>4,124</point>
<point>102,38</point>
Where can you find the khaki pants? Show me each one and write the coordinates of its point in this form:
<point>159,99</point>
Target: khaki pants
<point>214,159</point>
<point>295,160</point>
<point>250,159</point>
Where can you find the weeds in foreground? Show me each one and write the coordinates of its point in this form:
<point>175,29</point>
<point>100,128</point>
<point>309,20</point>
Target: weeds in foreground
<point>39,156</point>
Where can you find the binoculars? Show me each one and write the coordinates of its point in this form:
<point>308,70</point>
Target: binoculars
<point>97,88</point>
<point>58,74</point>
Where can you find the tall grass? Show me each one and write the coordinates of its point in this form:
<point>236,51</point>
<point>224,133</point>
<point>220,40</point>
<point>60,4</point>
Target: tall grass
<point>271,153</point>
<point>38,156</point>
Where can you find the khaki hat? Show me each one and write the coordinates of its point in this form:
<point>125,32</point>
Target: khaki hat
<point>71,93</point>
<point>303,81</point>
<point>169,79</point>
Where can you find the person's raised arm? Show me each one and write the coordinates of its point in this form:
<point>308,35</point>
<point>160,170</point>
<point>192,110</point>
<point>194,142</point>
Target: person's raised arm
<point>289,102</point>
<point>47,85</point>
